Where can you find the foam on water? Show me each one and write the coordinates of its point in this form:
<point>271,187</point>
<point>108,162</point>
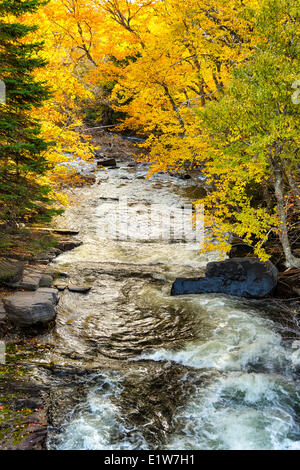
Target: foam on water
<point>95,424</point>
<point>237,411</point>
<point>235,338</point>
<point>124,252</point>
<point>240,409</point>
<point>240,412</point>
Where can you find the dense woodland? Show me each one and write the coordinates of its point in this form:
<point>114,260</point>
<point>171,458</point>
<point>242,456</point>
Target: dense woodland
<point>210,85</point>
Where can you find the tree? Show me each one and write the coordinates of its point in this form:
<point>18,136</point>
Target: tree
<point>61,117</point>
<point>21,146</point>
<point>185,54</point>
<point>255,139</point>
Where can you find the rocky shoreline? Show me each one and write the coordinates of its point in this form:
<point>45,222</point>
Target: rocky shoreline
<point>34,295</point>
<point>28,301</point>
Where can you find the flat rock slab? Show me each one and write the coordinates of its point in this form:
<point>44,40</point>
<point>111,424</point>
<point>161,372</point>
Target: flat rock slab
<point>80,289</point>
<point>62,231</point>
<point>60,285</point>
<point>30,308</point>
<point>243,277</point>
<point>30,281</point>
<point>65,231</point>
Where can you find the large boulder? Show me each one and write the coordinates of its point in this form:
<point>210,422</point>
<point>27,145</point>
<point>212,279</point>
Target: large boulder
<point>30,308</point>
<point>243,277</point>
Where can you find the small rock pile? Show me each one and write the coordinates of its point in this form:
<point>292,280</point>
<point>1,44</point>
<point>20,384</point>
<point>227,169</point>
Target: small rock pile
<point>35,300</point>
<point>36,295</point>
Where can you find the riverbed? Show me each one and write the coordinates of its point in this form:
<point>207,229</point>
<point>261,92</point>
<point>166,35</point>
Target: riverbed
<point>131,367</point>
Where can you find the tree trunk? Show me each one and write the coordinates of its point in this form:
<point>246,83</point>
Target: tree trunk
<point>291,260</point>
<point>294,186</point>
<point>180,120</point>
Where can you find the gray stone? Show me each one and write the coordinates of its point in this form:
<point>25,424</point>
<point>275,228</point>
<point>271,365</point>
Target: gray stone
<point>49,291</point>
<point>30,281</point>
<point>98,153</point>
<point>60,285</point>
<point>30,308</point>
<point>67,245</point>
<point>46,280</point>
<point>33,278</point>
<point>243,277</point>
<point>45,255</point>
<point>80,289</point>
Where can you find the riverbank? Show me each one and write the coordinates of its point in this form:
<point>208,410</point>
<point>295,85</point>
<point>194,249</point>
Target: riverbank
<point>24,400</point>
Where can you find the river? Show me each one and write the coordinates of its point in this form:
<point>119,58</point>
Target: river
<point>132,367</point>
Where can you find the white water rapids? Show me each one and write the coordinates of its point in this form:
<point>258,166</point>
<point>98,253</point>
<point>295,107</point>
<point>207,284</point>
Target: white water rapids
<point>187,372</point>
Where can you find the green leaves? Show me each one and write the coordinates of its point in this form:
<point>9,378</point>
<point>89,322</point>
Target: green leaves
<point>21,147</point>
<point>255,129</point>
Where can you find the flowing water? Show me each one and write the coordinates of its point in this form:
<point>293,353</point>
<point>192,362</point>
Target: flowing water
<point>133,367</point>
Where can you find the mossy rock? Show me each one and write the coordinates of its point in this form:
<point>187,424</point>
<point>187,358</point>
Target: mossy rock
<point>10,271</point>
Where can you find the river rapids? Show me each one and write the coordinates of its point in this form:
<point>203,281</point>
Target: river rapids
<point>134,368</point>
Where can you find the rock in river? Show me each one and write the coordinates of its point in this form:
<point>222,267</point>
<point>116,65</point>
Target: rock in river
<point>68,245</point>
<point>110,162</point>
<point>80,289</point>
<point>243,277</point>
<point>60,285</point>
<point>29,308</point>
